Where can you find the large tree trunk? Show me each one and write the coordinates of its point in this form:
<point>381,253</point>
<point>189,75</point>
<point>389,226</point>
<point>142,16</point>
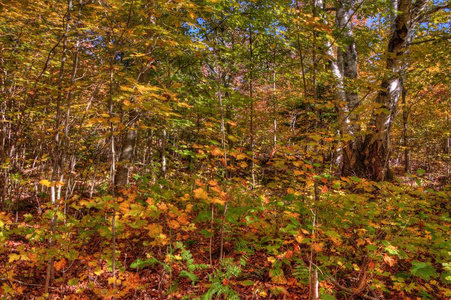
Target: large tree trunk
<point>345,71</point>
<point>369,157</point>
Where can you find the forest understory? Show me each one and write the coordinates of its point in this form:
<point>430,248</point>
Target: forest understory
<point>223,149</point>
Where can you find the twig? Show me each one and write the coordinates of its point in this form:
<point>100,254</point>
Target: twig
<point>343,288</point>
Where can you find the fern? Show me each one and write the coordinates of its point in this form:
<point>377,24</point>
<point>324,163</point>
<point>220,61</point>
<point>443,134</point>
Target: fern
<point>191,266</point>
<point>228,269</point>
<point>190,276</point>
<point>301,271</point>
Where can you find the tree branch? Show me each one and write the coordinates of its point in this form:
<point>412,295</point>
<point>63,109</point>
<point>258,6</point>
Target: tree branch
<point>429,40</point>
<point>432,10</point>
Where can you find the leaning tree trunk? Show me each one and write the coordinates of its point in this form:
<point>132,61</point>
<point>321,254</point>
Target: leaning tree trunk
<point>376,148</point>
<point>369,157</point>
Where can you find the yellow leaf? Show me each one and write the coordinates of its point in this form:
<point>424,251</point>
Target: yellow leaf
<point>218,201</point>
<point>161,240</point>
<point>154,229</point>
<point>217,189</point>
<point>124,207</point>
<point>45,182</point>
<point>185,197</point>
<point>241,156</point>
<point>184,104</point>
<point>279,279</point>
<point>189,208</point>
<point>271,259</point>
<point>299,238</point>
<point>200,193</point>
<point>290,191</point>
<point>216,152</point>
<point>13,257</point>
<point>162,206</point>
<point>115,120</point>
<point>113,280</point>
<point>298,172</point>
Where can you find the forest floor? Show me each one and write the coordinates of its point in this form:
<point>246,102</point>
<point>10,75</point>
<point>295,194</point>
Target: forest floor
<point>357,239</point>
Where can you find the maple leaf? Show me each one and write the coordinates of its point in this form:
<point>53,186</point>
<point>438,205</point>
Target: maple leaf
<point>45,182</point>
<point>318,247</point>
<point>173,224</point>
<point>154,229</point>
<point>216,152</point>
<point>60,264</point>
<point>218,201</point>
<point>200,193</point>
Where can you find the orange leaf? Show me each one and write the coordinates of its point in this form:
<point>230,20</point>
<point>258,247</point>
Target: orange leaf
<point>213,182</point>
<point>60,264</point>
<point>389,260</point>
<point>216,152</point>
<point>318,247</point>
<point>200,193</point>
<point>173,224</point>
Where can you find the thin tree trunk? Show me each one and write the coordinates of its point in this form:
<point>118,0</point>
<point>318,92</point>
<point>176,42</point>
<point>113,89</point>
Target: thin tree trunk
<point>126,156</point>
<point>56,157</point>
<point>251,96</point>
<point>274,103</point>
<point>163,153</point>
<point>405,120</point>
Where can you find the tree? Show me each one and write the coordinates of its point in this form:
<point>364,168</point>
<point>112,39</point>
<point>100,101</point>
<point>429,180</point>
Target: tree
<point>368,156</point>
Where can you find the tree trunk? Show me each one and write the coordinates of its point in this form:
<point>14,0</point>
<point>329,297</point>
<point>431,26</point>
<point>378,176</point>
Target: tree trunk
<point>369,158</point>
<point>346,73</point>
<point>126,157</point>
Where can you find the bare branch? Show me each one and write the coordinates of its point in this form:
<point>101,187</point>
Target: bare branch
<point>421,16</point>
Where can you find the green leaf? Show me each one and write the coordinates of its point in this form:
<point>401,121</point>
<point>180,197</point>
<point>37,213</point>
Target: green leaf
<point>189,275</point>
<point>140,264</point>
<point>423,270</point>
<point>420,172</point>
<point>72,281</point>
<point>327,297</point>
<point>246,283</point>
<point>371,247</point>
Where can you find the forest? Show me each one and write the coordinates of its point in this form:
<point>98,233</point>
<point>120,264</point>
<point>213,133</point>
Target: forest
<point>225,149</point>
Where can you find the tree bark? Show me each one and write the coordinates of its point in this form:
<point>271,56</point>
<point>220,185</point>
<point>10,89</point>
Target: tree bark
<point>126,157</point>
<point>369,157</point>
<point>346,73</point>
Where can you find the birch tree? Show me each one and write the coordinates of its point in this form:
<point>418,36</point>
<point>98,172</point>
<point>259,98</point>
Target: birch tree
<point>368,155</point>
